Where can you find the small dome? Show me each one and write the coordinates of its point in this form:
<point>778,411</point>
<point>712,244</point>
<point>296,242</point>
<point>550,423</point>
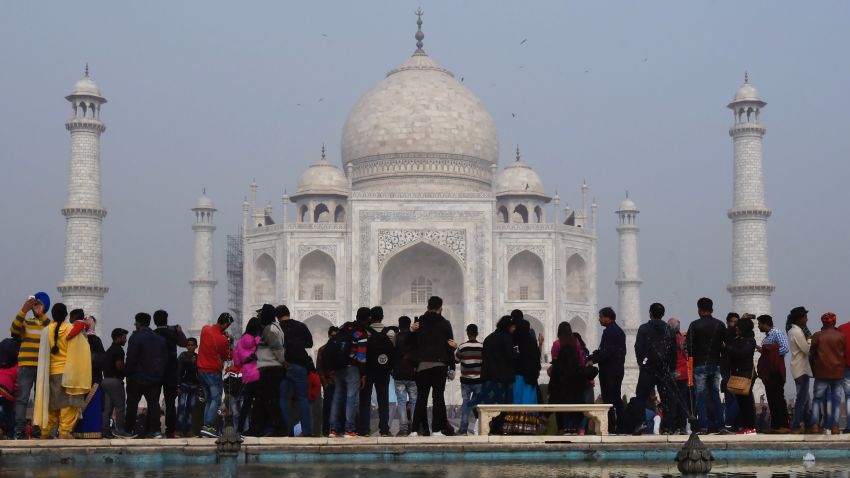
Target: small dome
<point>519,179</point>
<point>204,202</point>
<point>86,87</point>
<point>747,93</point>
<point>322,178</point>
<point>628,205</point>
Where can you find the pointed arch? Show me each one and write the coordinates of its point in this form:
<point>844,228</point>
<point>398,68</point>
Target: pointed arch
<point>520,214</point>
<point>318,326</point>
<point>317,277</point>
<point>538,214</point>
<point>579,326</point>
<point>321,213</point>
<point>502,214</point>
<point>525,277</point>
<point>339,214</point>
<point>302,213</point>
<point>576,279</point>
<point>265,279</point>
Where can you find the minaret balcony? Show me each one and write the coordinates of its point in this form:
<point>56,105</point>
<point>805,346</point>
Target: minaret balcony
<point>749,213</point>
<point>747,129</point>
<point>765,288</point>
<point>85,123</point>
<point>93,212</point>
<point>78,289</point>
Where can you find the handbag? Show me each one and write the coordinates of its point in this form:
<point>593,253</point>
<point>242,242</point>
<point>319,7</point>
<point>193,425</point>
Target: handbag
<point>739,385</point>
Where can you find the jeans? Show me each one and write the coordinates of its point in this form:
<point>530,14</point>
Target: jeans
<point>380,381</point>
<point>828,397</point>
<point>610,383</point>
<point>347,388</point>
<point>707,381</point>
<point>426,380</point>
<point>803,403</point>
<point>185,405</point>
<point>114,398</point>
<point>249,392</point>
<point>405,392</point>
<point>470,394</point>
<point>7,417</point>
<point>135,391</point>
<point>847,395</point>
<point>212,385</point>
<point>650,379</point>
<point>26,380</point>
<point>296,379</point>
<point>682,409</point>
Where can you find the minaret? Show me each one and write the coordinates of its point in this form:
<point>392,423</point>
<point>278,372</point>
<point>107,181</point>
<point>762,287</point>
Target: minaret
<point>204,281</point>
<point>82,286</point>
<point>628,283</point>
<point>750,287</point>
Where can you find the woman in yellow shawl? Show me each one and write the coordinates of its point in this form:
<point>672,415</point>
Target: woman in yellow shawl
<point>64,373</point>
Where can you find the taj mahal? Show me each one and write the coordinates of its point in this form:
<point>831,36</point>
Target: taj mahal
<point>418,206</point>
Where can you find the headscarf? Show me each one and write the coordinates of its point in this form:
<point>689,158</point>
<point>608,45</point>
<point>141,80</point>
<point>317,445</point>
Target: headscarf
<point>829,319</point>
<point>90,324</point>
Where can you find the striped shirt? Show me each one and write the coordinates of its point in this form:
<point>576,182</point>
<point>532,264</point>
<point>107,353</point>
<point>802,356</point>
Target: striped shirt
<point>29,330</point>
<point>469,356</point>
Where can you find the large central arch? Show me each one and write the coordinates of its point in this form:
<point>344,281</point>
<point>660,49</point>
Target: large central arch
<point>416,272</point>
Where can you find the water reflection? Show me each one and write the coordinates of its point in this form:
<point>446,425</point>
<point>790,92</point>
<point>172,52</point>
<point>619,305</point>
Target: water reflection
<point>435,470</point>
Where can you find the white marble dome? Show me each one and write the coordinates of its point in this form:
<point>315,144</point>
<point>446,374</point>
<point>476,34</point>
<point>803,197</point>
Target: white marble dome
<point>628,205</point>
<point>419,122</point>
<point>519,179</point>
<point>747,93</point>
<point>204,202</point>
<point>86,87</point>
<point>322,178</point>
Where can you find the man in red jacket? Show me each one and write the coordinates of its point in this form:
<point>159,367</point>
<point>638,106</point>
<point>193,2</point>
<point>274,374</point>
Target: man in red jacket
<point>213,351</point>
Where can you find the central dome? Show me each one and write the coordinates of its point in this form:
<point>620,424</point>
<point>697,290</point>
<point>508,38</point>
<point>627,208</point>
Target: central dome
<point>420,122</point>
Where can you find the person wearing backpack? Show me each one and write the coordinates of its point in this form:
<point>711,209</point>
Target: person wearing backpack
<point>296,340</point>
<point>265,414</point>
<point>379,365</point>
<point>434,342</point>
<point>404,368</point>
<point>655,350</point>
<point>345,354</point>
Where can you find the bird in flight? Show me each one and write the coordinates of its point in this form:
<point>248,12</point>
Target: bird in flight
<point>645,60</point>
<point>523,41</point>
<point>513,114</point>
<point>320,100</point>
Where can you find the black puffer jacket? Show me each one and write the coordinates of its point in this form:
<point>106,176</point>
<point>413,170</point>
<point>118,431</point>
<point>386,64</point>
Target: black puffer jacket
<point>655,346</point>
<point>431,339</point>
<point>499,358</point>
<point>741,351</point>
<point>705,340</point>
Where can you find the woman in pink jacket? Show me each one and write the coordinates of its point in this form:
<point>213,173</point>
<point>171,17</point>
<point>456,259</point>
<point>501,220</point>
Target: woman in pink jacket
<point>245,358</point>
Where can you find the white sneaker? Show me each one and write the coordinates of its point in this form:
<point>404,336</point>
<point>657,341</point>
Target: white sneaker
<point>413,434</point>
<point>437,434</point>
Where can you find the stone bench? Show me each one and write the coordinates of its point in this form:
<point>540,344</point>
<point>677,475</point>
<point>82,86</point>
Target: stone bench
<point>597,413</point>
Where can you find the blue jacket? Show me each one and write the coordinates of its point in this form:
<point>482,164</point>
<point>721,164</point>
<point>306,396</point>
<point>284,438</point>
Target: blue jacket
<point>147,356</point>
<point>611,355</point>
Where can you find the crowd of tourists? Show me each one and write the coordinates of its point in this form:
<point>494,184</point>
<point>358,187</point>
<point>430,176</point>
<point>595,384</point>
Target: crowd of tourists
<point>264,381</point>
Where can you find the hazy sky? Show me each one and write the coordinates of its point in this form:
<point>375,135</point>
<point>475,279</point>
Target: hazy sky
<point>627,95</point>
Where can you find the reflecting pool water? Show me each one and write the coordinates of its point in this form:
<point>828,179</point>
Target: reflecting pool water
<point>833,469</point>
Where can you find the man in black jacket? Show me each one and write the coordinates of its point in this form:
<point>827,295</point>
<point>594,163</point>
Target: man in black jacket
<point>296,340</point>
<point>611,358</point>
<point>705,342</point>
<point>404,369</point>
<point>144,367</point>
<point>434,342</point>
<point>379,364</point>
<point>499,358</point>
<point>655,350</point>
<point>174,337</point>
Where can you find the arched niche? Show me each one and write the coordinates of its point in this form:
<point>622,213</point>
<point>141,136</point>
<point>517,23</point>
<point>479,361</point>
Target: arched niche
<point>339,214</point>
<point>317,277</point>
<point>525,277</point>
<point>321,213</point>
<point>318,326</point>
<point>265,277</point>
<point>520,214</point>
<point>502,214</point>
<point>422,265</point>
<point>576,279</point>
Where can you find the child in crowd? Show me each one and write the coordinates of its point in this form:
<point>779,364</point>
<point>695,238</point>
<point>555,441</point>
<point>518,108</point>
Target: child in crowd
<point>187,375</point>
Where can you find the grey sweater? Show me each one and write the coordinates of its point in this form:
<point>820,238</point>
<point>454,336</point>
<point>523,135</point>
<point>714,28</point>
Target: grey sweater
<point>270,352</point>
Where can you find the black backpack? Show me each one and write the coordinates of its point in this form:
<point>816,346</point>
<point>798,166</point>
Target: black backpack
<point>337,353</point>
<point>379,350</point>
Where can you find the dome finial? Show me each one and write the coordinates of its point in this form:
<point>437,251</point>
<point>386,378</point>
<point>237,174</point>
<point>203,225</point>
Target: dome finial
<point>323,151</point>
<point>517,153</point>
<point>627,193</point>
<point>419,35</point>
<point>746,77</point>
<point>204,191</point>
<point>87,69</point>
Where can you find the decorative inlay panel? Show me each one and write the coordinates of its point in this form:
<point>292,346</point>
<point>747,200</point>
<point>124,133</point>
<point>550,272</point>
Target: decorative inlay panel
<point>453,240</point>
